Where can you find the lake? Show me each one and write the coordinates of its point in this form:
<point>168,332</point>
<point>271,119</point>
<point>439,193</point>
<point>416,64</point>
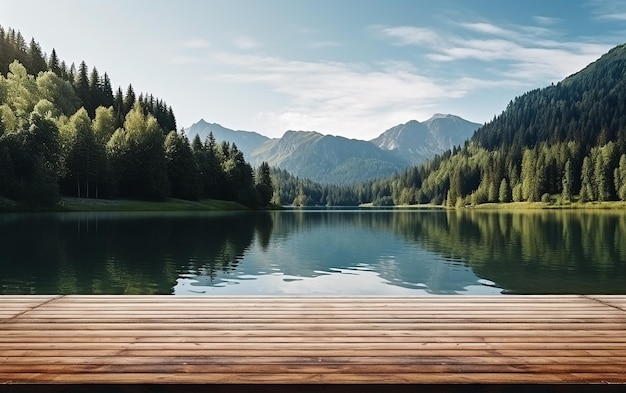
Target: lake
<point>314,252</point>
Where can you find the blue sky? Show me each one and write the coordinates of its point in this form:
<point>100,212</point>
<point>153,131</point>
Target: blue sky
<point>343,67</point>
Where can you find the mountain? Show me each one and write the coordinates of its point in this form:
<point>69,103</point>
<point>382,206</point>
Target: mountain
<point>327,158</point>
<point>417,142</point>
<point>335,159</point>
<point>559,144</point>
<point>246,141</point>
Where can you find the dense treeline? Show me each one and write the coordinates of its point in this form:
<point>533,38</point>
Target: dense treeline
<point>65,133</point>
<point>292,190</point>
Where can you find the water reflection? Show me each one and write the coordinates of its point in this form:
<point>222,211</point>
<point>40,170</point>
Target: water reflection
<point>361,252</point>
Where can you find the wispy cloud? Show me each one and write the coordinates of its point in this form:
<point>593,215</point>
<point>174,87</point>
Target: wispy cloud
<point>525,53</point>
<point>325,44</point>
<point>196,43</point>
<point>546,20</point>
<point>408,35</point>
<point>338,97</point>
<point>612,10</point>
<point>245,42</point>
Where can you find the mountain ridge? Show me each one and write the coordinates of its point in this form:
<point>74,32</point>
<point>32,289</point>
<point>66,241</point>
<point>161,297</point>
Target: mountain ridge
<point>338,159</point>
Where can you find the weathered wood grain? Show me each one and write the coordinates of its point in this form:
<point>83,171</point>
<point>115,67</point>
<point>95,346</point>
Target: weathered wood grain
<point>224,340</point>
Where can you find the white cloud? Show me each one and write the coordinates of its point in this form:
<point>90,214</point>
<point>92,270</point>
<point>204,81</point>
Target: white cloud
<point>608,10</point>
<point>529,54</point>
<point>338,97</point>
<point>486,28</point>
<point>245,42</point>
<point>546,20</point>
<point>325,44</point>
<point>196,43</point>
<point>408,35</point>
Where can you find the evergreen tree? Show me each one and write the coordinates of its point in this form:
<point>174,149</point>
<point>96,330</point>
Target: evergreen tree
<point>568,178</point>
<point>119,108</point>
<point>620,178</point>
<point>264,185</point>
<point>182,169</point>
<point>106,92</point>
<point>53,63</point>
<point>96,95</point>
<point>37,62</point>
<point>504,192</point>
<point>129,99</point>
<point>586,181</point>
<point>529,174</point>
<point>81,85</point>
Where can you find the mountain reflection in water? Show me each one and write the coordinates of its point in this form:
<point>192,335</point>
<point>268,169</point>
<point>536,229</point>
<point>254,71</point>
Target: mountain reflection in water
<point>313,252</point>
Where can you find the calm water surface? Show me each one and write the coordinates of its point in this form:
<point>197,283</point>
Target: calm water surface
<point>314,252</point>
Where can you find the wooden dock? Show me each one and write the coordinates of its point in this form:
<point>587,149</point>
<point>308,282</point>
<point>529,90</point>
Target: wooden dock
<point>312,340</point>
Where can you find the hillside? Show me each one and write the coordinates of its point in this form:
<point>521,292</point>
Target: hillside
<point>562,143</point>
<point>64,133</point>
<point>328,159</point>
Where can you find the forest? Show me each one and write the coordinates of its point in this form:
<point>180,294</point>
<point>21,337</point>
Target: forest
<point>63,132</point>
<point>560,144</point>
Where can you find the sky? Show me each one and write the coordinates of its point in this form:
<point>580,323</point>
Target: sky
<point>353,68</point>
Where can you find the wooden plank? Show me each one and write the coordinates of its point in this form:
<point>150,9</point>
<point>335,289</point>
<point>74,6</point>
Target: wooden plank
<point>491,361</point>
<point>317,378</point>
<point>146,339</point>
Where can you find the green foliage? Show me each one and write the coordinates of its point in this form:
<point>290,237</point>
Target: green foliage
<point>104,124</point>
<point>560,140</point>
<point>264,185</point>
<point>504,194</point>
<point>30,160</point>
<point>181,167</point>
<point>568,178</point>
<point>137,158</point>
<point>84,157</point>
<point>586,188</point>
<point>620,178</point>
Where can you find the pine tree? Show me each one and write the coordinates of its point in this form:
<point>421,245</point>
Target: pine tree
<point>264,186</point>
<point>567,182</point>
<point>81,85</point>
<point>37,62</point>
<point>96,97</point>
<point>53,63</point>
<point>107,92</point>
<point>620,178</point>
<point>504,192</point>
<point>586,181</point>
<point>118,107</point>
<point>182,169</point>
<point>129,99</point>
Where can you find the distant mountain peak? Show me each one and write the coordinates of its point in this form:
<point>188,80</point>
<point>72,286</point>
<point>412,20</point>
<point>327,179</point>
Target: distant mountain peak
<point>417,142</point>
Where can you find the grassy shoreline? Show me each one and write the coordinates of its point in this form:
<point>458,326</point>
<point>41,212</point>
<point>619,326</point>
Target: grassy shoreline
<point>612,205</point>
<point>69,204</point>
<point>86,205</point>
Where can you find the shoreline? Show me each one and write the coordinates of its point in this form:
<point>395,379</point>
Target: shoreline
<point>514,206</point>
<point>71,204</point>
